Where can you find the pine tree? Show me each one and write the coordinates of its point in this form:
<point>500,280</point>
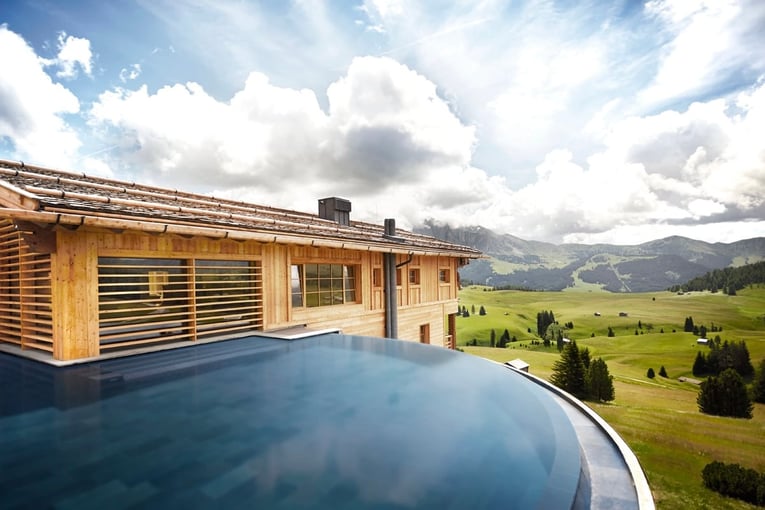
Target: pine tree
<point>504,339</point>
<point>568,371</point>
<point>493,339</point>
<point>544,320</point>
<point>725,395</point>
<point>741,360</point>
<point>482,311</point>
<point>650,374</point>
<point>700,364</point>
<point>585,355</point>
<point>663,372</point>
<point>599,383</point>
<point>610,331</point>
<point>759,384</point>
<point>688,327</point>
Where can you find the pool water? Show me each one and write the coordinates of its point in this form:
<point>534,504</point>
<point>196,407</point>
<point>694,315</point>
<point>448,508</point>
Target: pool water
<point>333,421</point>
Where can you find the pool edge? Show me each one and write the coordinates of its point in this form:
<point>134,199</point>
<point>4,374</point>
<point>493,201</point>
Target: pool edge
<point>639,480</point>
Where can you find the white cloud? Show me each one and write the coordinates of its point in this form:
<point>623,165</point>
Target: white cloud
<point>707,41</point>
<point>93,166</point>
<point>574,153</point>
<point>32,106</point>
<point>701,207</point>
<point>130,73</point>
<point>697,170</point>
<point>385,8</point>
<point>386,129</point>
<point>722,232</point>
<point>392,145</point>
<point>73,54</point>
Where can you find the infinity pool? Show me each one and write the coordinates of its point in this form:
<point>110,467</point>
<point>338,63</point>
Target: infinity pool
<point>329,422</point>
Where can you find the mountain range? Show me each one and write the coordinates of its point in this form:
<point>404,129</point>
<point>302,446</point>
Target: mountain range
<point>656,265</point>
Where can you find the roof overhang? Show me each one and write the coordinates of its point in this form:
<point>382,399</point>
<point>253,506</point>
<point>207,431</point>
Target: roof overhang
<point>73,221</point>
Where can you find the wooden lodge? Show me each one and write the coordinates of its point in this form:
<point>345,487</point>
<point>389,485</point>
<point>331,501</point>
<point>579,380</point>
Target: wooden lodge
<point>91,266</point>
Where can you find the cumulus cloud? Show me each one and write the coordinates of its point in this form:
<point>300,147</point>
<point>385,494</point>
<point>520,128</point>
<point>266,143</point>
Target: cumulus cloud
<point>385,126</point>
<point>74,54</point>
<point>700,169</point>
<point>393,125</point>
<point>396,144</point>
<point>393,145</point>
<point>32,106</point>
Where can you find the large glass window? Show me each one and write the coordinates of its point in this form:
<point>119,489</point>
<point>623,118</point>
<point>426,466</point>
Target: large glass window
<point>323,284</point>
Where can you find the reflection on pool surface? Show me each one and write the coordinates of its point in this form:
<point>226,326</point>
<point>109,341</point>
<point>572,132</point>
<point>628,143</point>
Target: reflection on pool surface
<point>328,422</point>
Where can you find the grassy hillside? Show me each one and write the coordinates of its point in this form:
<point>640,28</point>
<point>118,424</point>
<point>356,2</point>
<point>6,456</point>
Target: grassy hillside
<point>658,417</point>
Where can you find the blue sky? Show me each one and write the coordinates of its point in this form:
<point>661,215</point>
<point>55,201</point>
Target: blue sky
<point>563,121</point>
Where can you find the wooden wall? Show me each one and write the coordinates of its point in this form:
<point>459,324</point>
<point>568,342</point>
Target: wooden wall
<point>75,294</point>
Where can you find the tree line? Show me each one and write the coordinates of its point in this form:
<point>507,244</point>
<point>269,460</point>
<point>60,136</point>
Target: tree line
<point>727,280</point>
<point>728,367</point>
<point>721,356</point>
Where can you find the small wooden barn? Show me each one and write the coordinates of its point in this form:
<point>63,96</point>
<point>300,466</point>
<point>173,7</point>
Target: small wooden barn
<point>90,266</point>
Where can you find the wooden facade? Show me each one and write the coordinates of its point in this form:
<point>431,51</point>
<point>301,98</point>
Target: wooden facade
<point>90,266</point>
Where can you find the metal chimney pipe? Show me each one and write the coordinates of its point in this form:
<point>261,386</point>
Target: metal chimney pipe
<point>389,269</point>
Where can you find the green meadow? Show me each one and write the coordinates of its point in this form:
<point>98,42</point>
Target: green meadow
<point>657,417</point>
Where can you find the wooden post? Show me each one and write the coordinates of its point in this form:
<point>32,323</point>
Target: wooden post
<point>74,295</point>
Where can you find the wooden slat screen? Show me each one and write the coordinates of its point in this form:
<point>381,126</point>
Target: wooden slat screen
<point>25,292</point>
<point>227,297</point>
<point>145,301</point>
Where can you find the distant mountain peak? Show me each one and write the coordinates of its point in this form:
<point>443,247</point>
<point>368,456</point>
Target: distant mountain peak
<point>650,266</point>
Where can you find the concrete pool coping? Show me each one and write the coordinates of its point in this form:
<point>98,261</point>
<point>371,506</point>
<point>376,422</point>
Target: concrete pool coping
<point>601,446</point>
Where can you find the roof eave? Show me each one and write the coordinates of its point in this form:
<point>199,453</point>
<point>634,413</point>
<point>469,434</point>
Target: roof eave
<point>160,227</point>
<point>11,196</point>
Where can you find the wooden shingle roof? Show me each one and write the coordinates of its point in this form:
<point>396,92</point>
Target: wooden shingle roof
<point>47,196</point>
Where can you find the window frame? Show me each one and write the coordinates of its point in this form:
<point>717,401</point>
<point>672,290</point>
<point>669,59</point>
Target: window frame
<point>320,284</point>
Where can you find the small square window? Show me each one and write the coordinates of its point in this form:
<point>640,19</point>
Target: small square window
<point>443,275</point>
<point>414,276</point>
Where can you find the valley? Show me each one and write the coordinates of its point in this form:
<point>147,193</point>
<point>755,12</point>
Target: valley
<point>658,417</point>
